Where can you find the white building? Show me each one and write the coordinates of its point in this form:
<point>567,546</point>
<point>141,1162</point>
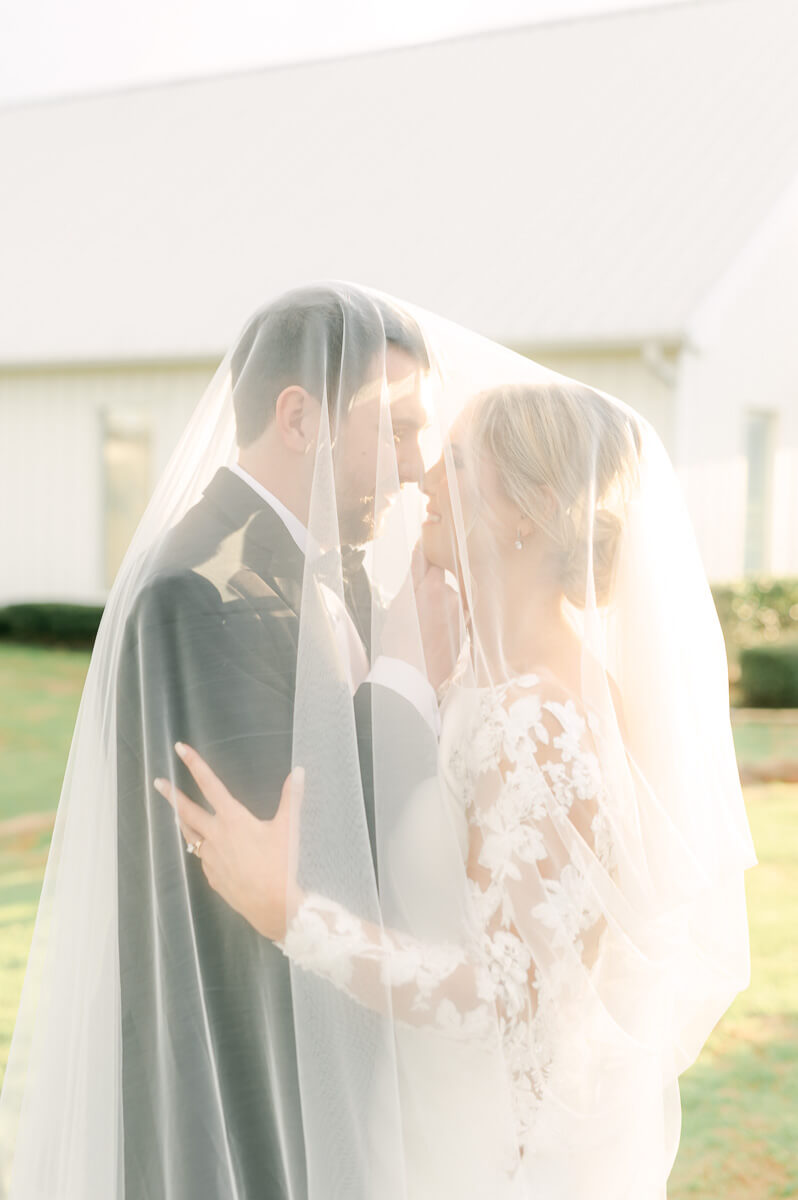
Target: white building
<point>617,197</point>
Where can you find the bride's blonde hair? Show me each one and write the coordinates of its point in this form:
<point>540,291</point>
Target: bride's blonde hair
<point>570,439</point>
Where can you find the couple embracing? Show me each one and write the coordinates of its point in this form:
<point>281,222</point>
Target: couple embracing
<point>402,843</point>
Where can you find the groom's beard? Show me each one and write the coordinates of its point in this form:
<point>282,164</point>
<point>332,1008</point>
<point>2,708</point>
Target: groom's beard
<point>356,522</point>
<point>360,521</point>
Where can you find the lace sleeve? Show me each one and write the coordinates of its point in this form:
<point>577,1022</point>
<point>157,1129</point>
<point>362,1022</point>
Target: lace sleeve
<point>536,825</point>
<point>540,838</point>
<point>419,983</point>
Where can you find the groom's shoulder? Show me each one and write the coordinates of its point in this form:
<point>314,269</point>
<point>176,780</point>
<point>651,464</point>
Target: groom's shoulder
<point>202,598</point>
<point>193,537</point>
<point>169,594</point>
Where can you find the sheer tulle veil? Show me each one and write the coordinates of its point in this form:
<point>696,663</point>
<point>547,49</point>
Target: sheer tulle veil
<point>161,1043</point>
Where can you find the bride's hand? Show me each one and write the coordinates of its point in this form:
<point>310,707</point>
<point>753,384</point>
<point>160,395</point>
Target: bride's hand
<point>249,862</point>
<point>425,594</point>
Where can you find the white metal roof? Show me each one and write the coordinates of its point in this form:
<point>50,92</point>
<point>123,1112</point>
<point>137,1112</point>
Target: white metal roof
<point>583,182</point>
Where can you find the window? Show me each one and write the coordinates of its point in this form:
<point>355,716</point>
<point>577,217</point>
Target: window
<point>759,445</point>
<point>127,480</point>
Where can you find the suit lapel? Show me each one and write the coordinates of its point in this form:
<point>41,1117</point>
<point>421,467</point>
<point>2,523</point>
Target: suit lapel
<point>270,554</point>
<point>268,550</point>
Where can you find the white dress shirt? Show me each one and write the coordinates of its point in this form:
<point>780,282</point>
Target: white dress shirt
<point>392,673</point>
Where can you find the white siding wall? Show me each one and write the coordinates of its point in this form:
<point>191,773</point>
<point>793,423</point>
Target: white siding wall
<point>51,470</point>
<point>744,359</point>
<point>51,421</point>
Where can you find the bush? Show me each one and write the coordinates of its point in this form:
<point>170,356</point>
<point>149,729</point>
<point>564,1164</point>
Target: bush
<point>755,610</point>
<point>51,624</point>
<point>769,676</point>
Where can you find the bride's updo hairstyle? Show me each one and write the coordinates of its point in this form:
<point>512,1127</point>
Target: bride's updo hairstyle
<point>585,449</point>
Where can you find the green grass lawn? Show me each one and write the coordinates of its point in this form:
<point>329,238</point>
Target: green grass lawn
<point>39,694</point>
<point>740,1100</point>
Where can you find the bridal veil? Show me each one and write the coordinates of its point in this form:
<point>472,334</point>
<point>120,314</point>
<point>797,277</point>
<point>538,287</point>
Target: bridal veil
<point>162,1048</point>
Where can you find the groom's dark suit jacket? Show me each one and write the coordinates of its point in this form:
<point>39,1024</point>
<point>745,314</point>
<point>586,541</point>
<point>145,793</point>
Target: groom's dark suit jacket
<point>210,1085</point>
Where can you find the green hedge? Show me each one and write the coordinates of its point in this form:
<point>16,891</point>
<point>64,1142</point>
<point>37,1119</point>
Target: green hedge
<point>756,611</point>
<point>51,624</point>
<point>769,676</point>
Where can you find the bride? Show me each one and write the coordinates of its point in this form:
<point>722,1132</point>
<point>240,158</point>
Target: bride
<point>574,938</point>
<point>415,639</point>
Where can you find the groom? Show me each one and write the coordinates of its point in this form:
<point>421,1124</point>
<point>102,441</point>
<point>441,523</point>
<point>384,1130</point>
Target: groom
<point>211,1096</point>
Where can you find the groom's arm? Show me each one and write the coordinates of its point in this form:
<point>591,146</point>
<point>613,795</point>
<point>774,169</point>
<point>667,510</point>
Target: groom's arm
<point>398,751</point>
<point>411,684</point>
<point>189,671</point>
<point>219,676</point>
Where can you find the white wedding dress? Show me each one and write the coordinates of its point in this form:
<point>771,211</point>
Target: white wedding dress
<point>517,768</point>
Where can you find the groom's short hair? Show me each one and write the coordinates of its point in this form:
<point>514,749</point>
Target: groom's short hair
<point>319,338</point>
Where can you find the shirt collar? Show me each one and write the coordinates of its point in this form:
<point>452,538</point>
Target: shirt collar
<point>292,523</point>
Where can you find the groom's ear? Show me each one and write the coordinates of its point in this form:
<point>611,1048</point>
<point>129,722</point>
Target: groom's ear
<point>296,418</point>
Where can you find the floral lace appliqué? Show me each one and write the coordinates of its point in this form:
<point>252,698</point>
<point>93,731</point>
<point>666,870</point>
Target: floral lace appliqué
<point>523,772</point>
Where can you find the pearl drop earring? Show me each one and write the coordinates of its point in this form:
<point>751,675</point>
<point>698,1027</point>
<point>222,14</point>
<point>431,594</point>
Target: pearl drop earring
<point>519,545</point>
